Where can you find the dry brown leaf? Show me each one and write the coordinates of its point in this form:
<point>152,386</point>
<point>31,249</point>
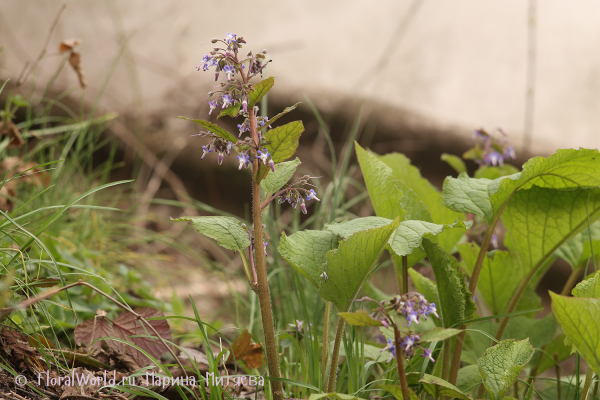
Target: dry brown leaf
<point>45,282</point>
<point>95,328</point>
<point>10,129</point>
<point>40,341</point>
<point>67,45</point>
<point>75,61</point>
<point>244,350</point>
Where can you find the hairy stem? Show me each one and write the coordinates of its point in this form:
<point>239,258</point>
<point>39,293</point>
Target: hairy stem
<point>326,338</point>
<point>264,297</point>
<point>339,331</point>
<point>400,364</point>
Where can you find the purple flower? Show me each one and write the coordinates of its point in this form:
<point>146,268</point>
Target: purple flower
<point>272,165</point>
<point>427,354</point>
<point>244,160</point>
<point>493,158</point>
<point>264,156</point>
<point>509,152</point>
<point>408,343</point>
<point>324,276</point>
<point>206,150</point>
<point>431,310</point>
<point>265,244</point>
<point>245,106</point>
<point>384,323</point>
<point>412,317</point>
<point>230,37</point>
<point>391,348</point>
<point>312,195</point>
<point>299,325</point>
<point>227,100</point>
<point>303,207</point>
<point>229,70</point>
<point>213,105</point>
<point>494,241</point>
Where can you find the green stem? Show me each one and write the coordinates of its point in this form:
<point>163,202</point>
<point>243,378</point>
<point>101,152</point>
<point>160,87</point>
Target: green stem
<point>339,330</point>
<point>262,287</point>
<point>400,364</point>
<point>246,266</point>
<point>325,353</point>
<point>557,371</point>
<point>571,281</point>
<point>588,382</point>
<point>398,269</point>
<point>404,275</point>
<point>446,359</point>
<point>401,268</point>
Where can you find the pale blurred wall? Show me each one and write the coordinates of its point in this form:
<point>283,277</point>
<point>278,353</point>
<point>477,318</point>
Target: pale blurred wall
<point>461,63</point>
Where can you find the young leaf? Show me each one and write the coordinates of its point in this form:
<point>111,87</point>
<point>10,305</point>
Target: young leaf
<point>468,195</point>
<point>283,140</point>
<point>501,365</point>
<point>446,388</point>
<point>580,319</point>
<point>456,303</point>
<point>281,114</point>
<point>349,266</point>
<point>588,288</point>
<point>227,231</point>
<point>231,111</point>
<point>216,129</point>
<point>261,89</point>
<point>306,251</point>
<point>379,179</point>
<point>359,318</point>
<point>283,172</point>
<point>438,334</point>
<point>455,162</point>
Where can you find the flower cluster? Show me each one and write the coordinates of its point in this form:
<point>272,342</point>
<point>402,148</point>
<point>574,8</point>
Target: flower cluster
<point>294,197</point>
<point>412,306</point>
<point>495,150</point>
<point>221,146</point>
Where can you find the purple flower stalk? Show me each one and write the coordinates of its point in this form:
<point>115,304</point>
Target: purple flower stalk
<point>245,106</point>
<point>303,207</point>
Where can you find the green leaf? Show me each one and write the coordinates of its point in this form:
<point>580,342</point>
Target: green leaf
<point>455,162</point>
<point>396,391</point>
<point>456,303</point>
<point>283,140</point>
<point>231,111</point>
<point>438,334</point>
<point>349,266</point>
<point>259,91</point>
<point>370,351</point>
<point>341,396</point>
<point>445,388</point>
<point>216,129</point>
<point>577,251</point>
<point>306,251</point>
<point>501,365</point>
<point>580,319</point>
<point>281,114</point>
<point>379,179</point>
<point>468,195</point>
<point>468,377</point>
<point>495,172</point>
<point>283,172</point>
<point>227,231</point>
<point>359,318</point>
<point>556,346</point>
<point>538,221</point>
<point>539,331</point>
<point>410,202</point>
<point>588,288</point>
<point>500,275</point>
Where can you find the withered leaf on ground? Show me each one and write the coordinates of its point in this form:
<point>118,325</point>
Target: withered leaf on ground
<point>16,348</point>
<point>244,350</point>
<point>10,129</point>
<point>40,341</point>
<point>95,328</point>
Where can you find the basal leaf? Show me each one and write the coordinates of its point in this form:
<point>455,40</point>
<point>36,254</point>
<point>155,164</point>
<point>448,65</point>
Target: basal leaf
<point>538,221</point>
<point>580,319</point>
<point>306,251</point>
<point>227,231</point>
<point>95,328</point>
<point>500,275</point>
<point>456,303</point>
<point>259,91</point>
<point>468,377</point>
<point>468,195</point>
<point>359,318</point>
<point>501,365</point>
<point>455,162</point>
<point>438,334</point>
<point>445,388</point>
<point>495,172</point>
<point>412,204</point>
<point>216,129</point>
<point>283,172</point>
<point>349,228</point>
<point>556,346</point>
<point>379,179</point>
<point>231,111</point>
<point>396,391</point>
<point>284,140</point>
<point>588,287</point>
<point>349,266</point>
<point>281,114</point>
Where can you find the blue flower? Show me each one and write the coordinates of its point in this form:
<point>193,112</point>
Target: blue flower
<point>244,160</point>
<point>230,37</point>
<point>427,354</point>
<point>411,317</point>
<point>408,343</point>
<point>213,105</point>
<point>312,195</point>
<point>227,100</point>
<point>391,348</point>
<point>229,70</point>
<point>431,310</point>
<point>509,152</point>
<point>264,156</point>
<point>206,150</point>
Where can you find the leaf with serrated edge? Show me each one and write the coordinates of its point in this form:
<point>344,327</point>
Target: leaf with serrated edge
<point>468,195</point>
<point>501,365</point>
<point>456,303</point>
<point>349,266</point>
<point>227,231</point>
<point>281,114</point>
<point>231,111</point>
<point>359,318</point>
<point>588,288</point>
<point>306,251</point>
<point>129,325</point>
<point>283,140</point>
<point>579,318</point>
<point>438,334</point>
<point>259,91</point>
<point>216,129</point>
<point>446,388</point>
<point>283,172</point>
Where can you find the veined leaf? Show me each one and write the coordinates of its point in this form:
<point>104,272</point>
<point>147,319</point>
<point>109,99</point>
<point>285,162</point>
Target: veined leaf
<point>231,111</point>
<point>284,140</point>
<point>306,251</point>
<point>349,266</point>
<point>396,391</point>
<point>588,288</point>
<point>556,346</point>
<point>468,377</point>
<point>580,319</point>
<point>456,303</point>
<point>227,231</point>
<point>283,172</point>
<point>578,250</point>
<point>281,114</point>
<point>259,91</point>
<point>359,318</point>
<point>501,365</point>
<point>445,387</point>
<point>469,195</point>
<point>412,204</point>
<point>216,129</point>
<point>438,334</point>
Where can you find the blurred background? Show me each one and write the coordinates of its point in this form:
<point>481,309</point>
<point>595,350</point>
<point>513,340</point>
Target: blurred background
<point>415,77</point>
